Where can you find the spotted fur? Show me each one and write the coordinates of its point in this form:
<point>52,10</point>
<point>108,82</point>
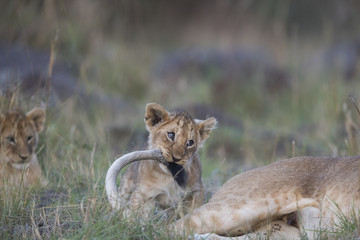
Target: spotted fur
<point>18,142</point>
<point>147,184</point>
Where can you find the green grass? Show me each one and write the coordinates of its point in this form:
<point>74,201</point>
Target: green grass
<point>75,154</point>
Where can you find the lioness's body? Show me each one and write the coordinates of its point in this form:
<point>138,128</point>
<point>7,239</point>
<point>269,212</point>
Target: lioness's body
<point>18,142</point>
<point>149,183</point>
<point>320,189</point>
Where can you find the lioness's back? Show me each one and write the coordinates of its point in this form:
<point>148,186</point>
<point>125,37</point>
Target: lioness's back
<point>306,175</point>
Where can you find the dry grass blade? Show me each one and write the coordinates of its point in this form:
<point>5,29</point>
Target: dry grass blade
<point>354,101</point>
<point>35,227</point>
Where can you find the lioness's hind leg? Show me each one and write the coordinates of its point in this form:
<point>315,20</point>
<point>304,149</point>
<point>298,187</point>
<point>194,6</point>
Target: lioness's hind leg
<point>228,218</point>
<point>221,219</point>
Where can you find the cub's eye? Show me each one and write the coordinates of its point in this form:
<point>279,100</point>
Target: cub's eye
<point>10,139</point>
<point>171,136</point>
<point>190,143</point>
<point>29,138</point>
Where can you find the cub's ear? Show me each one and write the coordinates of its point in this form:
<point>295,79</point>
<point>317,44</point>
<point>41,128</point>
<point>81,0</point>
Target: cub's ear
<point>205,127</point>
<point>155,114</point>
<point>38,116</point>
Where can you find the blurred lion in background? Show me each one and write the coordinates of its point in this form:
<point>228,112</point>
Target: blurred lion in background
<point>18,141</point>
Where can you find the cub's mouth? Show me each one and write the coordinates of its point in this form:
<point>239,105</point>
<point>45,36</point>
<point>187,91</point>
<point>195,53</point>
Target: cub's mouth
<point>18,160</point>
<point>169,157</point>
<point>176,168</point>
<point>21,166</point>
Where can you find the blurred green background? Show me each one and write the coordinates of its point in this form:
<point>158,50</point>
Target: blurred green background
<point>280,76</point>
<point>276,74</point>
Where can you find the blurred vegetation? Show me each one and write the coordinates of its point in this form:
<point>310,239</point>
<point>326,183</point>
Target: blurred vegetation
<point>276,74</point>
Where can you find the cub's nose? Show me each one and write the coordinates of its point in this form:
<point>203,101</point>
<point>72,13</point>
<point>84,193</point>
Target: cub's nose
<point>23,157</point>
<point>176,159</point>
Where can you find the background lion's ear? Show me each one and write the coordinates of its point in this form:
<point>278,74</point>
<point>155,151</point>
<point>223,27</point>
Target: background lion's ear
<point>38,116</point>
<point>205,127</point>
<point>155,114</point>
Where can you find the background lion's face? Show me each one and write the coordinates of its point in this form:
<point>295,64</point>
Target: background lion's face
<point>19,135</point>
<point>177,135</point>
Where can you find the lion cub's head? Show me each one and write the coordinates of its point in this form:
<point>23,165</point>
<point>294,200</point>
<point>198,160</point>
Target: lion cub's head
<point>19,135</point>
<point>177,135</point>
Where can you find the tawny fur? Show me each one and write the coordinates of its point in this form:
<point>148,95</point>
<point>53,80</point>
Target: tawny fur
<point>148,184</point>
<point>18,142</point>
<point>318,189</point>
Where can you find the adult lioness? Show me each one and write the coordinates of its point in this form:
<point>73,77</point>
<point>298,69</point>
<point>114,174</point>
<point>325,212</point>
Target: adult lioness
<point>319,189</point>
<point>18,141</point>
<point>147,184</point>
<point>302,195</point>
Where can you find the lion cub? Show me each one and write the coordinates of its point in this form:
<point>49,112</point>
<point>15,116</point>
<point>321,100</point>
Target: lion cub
<point>18,141</point>
<point>147,184</point>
